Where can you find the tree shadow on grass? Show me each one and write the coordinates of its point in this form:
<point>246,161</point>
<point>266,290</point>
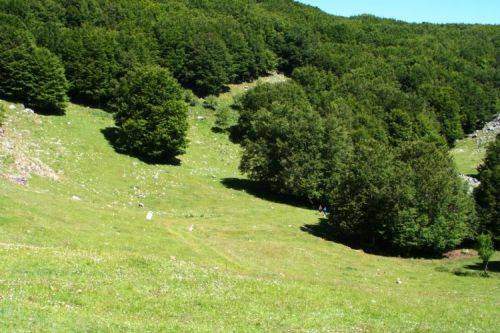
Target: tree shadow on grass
<point>493,266</point>
<point>113,136</point>
<point>261,190</point>
<point>325,230</point>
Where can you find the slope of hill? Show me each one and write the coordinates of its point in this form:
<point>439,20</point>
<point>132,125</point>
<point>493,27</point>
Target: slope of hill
<point>470,151</point>
<point>78,253</point>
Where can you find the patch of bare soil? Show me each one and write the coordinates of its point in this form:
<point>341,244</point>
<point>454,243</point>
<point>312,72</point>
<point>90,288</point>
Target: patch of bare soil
<point>460,254</point>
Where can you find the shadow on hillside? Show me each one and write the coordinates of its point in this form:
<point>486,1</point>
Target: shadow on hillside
<point>493,266</point>
<point>261,191</point>
<point>325,230</point>
<point>322,229</point>
<point>114,138</point>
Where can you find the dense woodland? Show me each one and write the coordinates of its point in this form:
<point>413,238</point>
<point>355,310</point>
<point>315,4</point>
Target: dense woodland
<point>363,126</point>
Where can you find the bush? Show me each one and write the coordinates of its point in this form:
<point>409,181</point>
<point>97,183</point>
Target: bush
<point>485,249</point>
<point>210,102</point>
<point>34,76</point>
<point>223,119</point>
<point>488,193</point>
<point>408,200</point>
<point>190,98</point>
<point>151,114</point>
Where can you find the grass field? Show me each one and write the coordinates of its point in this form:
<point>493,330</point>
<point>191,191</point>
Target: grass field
<point>77,253</point>
<point>469,153</point>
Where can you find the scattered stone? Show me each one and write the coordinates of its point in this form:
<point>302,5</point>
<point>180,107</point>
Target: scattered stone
<point>20,180</point>
<point>76,198</point>
<point>29,111</point>
<point>200,118</point>
<point>12,107</point>
<point>398,281</point>
<point>149,216</point>
<point>141,205</point>
<point>191,228</point>
<point>471,181</point>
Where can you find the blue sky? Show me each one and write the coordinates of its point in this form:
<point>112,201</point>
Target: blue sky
<point>435,11</point>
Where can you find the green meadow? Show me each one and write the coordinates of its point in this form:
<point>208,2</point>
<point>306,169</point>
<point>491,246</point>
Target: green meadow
<point>219,254</point>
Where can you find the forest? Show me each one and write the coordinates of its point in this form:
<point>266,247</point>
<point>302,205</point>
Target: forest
<point>363,125</point>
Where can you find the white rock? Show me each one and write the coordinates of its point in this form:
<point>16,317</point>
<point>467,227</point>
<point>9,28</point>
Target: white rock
<point>398,281</point>
<point>76,198</point>
<point>149,216</point>
<point>191,228</point>
<point>29,110</point>
<point>200,118</point>
<point>12,107</point>
<point>141,205</point>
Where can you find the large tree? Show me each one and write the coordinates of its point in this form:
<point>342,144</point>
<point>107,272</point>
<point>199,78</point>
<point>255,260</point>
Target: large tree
<point>151,114</point>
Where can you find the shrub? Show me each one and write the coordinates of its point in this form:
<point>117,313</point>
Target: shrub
<point>488,193</point>
<point>190,98</point>
<point>151,114</point>
<point>222,119</point>
<point>34,76</point>
<point>485,249</point>
<point>210,102</point>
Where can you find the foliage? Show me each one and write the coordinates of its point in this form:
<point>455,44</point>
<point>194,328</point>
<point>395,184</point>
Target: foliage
<point>190,98</point>
<point>485,249</point>
<point>210,102</point>
<point>390,184</point>
<point>34,76</point>
<point>29,73</point>
<point>3,114</point>
<point>223,119</point>
<point>488,193</point>
<point>151,114</point>
<point>407,200</point>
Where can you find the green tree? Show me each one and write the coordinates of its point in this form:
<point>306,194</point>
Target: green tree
<point>34,76</point>
<point>283,149</point>
<point>407,200</point>
<point>485,249</point>
<point>488,193</point>
<point>151,114</point>
<point>28,73</point>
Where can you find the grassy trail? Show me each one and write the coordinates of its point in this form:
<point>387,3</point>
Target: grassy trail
<point>217,256</point>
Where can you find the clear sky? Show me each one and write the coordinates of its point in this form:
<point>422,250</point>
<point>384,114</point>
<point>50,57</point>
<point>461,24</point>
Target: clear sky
<point>435,11</point>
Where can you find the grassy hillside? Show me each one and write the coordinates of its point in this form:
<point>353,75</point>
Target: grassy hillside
<point>470,152</point>
<point>78,253</point>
